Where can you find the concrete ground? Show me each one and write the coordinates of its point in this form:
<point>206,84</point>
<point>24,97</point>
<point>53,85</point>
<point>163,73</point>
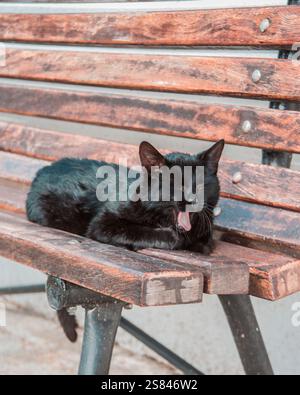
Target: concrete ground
<point>33,343</point>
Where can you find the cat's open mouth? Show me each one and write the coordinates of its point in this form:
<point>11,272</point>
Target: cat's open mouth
<point>184,221</point>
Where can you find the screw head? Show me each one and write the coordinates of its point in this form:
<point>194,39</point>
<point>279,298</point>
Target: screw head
<point>217,211</point>
<point>237,177</point>
<point>247,126</point>
<point>264,25</point>
<point>282,106</point>
<point>74,242</point>
<point>256,76</point>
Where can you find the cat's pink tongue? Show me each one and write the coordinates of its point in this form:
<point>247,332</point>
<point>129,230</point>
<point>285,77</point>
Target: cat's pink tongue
<point>184,221</point>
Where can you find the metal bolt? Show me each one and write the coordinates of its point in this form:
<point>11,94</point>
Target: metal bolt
<point>247,126</point>
<point>74,242</point>
<point>217,211</point>
<point>264,25</point>
<point>237,177</point>
<point>256,76</point>
<point>282,106</point>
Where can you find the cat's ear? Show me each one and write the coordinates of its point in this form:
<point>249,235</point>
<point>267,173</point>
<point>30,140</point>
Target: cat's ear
<point>150,157</point>
<point>212,156</point>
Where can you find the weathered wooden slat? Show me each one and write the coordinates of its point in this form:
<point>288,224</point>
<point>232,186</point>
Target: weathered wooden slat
<point>274,228</point>
<point>271,228</point>
<point>258,226</point>
<point>219,27</point>
<point>49,145</point>
<point>260,184</point>
<point>280,79</point>
<point>223,275</point>
<point>19,168</point>
<point>116,272</point>
<point>269,129</point>
<point>13,196</point>
<point>272,276</point>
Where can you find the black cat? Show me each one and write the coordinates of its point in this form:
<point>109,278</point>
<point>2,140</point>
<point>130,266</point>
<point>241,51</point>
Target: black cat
<point>63,196</point>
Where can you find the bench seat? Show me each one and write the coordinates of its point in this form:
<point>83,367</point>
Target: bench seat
<point>125,275</point>
<point>227,271</point>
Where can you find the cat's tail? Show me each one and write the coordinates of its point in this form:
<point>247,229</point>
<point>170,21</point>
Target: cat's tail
<point>69,324</point>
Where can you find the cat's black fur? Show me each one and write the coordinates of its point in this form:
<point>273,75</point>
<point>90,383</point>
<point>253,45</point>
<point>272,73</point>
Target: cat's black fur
<point>63,196</point>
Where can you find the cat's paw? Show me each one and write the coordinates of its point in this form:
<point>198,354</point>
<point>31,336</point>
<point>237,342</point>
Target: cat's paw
<point>169,239</point>
<point>176,241</point>
<point>204,248</point>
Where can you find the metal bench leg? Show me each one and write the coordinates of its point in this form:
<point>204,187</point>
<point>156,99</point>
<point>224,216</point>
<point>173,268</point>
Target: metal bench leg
<point>101,325</point>
<point>244,326</point>
<point>23,289</point>
<point>102,319</point>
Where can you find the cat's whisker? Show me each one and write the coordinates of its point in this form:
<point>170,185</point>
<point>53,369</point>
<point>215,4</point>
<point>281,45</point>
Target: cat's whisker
<point>209,222</point>
<point>202,222</point>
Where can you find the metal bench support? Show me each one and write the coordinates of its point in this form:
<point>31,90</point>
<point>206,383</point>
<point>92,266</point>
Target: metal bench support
<point>101,325</point>
<point>23,289</point>
<point>160,349</point>
<point>102,318</point>
<point>245,330</point>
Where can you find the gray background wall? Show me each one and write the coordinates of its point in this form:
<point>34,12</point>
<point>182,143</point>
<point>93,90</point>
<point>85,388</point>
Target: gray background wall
<point>198,333</point>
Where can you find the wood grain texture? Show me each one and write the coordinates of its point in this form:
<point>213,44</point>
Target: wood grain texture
<point>259,184</point>
<point>223,275</point>
<point>49,145</point>
<point>216,272</point>
<point>280,79</point>
<point>115,272</point>
<point>19,168</point>
<point>273,227</point>
<point>220,27</point>
<point>13,196</point>
<point>272,276</point>
<point>271,129</point>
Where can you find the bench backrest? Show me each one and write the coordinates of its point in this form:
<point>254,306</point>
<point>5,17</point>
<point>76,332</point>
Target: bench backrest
<point>276,80</point>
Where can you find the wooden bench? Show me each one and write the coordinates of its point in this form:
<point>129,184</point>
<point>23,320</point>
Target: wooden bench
<point>259,252</point>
